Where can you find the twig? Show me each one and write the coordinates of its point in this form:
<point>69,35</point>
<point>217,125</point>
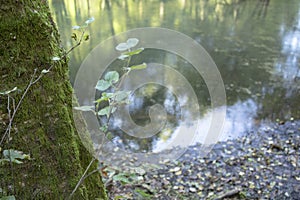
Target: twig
<point>7,131</point>
<point>82,178</point>
<point>229,193</point>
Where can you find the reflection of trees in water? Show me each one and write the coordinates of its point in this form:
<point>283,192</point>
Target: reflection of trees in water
<point>244,38</point>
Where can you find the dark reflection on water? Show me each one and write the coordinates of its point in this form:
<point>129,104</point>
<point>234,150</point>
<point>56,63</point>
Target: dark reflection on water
<point>255,44</point>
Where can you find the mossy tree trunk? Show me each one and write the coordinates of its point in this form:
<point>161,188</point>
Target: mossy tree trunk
<point>43,126</point>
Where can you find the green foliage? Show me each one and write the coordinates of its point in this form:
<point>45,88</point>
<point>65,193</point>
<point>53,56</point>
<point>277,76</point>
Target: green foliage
<point>112,80</point>
<point>143,194</point>
<point>9,91</point>
<point>14,156</point>
<point>8,198</point>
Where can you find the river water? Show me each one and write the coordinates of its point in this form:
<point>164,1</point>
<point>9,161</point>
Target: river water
<point>254,43</point>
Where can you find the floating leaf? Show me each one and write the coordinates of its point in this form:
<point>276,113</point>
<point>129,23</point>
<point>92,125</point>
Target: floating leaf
<point>112,76</point>
<point>76,27</point>
<point>84,108</point>
<point>103,85</point>
<point>90,20</point>
<point>141,66</point>
<point>15,156</point>
<point>132,42</point>
<point>107,111</point>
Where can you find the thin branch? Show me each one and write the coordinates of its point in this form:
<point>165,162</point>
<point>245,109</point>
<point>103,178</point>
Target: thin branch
<point>82,178</point>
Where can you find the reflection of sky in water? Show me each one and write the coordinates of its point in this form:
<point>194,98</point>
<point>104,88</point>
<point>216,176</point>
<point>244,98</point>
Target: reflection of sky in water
<point>239,119</point>
<point>289,68</point>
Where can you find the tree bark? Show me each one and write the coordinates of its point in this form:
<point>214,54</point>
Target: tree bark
<point>43,126</point>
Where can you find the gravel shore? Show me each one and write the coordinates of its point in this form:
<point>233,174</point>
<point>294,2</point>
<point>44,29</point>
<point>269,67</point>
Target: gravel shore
<point>260,165</point>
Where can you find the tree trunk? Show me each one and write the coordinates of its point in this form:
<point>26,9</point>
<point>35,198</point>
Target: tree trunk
<point>43,126</point>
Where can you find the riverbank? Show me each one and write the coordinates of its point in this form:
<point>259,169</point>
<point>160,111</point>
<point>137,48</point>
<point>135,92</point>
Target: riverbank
<point>260,165</point>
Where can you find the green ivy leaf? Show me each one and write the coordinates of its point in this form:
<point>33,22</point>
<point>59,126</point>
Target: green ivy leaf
<point>103,85</point>
<point>137,67</point>
<point>112,76</point>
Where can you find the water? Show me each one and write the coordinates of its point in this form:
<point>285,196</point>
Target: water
<point>254,43</point>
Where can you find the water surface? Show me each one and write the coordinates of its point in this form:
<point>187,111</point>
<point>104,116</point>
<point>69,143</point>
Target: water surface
<point>254,43</point>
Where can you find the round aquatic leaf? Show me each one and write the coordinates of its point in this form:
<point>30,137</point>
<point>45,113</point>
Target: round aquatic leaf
<point>132,42</point>
<point>103,85</point>
<point>122,47</point>
<point>112,77</point>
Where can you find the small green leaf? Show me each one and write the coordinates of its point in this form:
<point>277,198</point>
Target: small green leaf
<point>122,178</point>
<point>55,58</point>
<point>107,111</point>
<point>90,20</point>
<point>86,37</point>
<point>9,91</point>
<point>132,42</point>
<point>45,71</point>
<point>134,52</point>
<point>76,27</point>
<point>122,47</point>
<point>144,194</point>
<point>112,76</point>
<point>121,95</point>
<point>141,66</point>
<point>123,57</point>
<point>109,136</point>
<point>15,156</point>
<point>104,128</point>
<point>84,108</point>
<point>103,85</point>
<point>74,36</point>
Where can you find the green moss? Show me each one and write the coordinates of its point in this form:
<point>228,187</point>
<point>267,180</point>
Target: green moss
<point>43,126</point>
